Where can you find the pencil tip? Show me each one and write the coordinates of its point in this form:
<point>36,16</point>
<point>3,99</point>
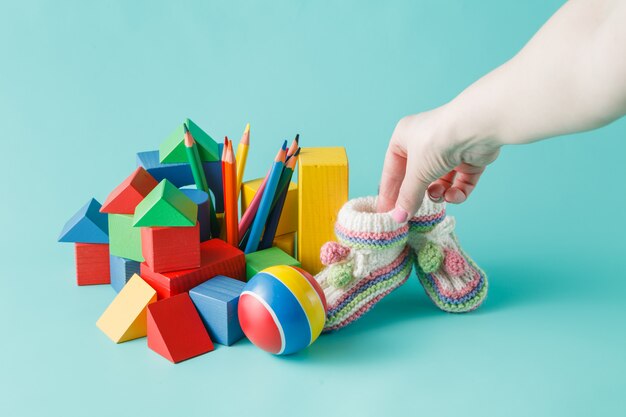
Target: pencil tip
<point>284,147</point>
<point>247,128</point>
<point>185,128</point>
<point>297,139</point>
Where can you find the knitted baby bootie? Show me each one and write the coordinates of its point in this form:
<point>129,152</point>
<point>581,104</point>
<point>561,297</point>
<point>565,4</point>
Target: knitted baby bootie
<point>450,277</point>
<point>370,259</point>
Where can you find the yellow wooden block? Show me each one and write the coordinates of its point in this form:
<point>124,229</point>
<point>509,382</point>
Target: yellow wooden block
<point>322,190</point>
<point>126,317</point>
<point>288,222</point>
<point>287,243</point>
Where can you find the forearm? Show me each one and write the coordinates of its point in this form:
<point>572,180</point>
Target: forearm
<point>570,77</point>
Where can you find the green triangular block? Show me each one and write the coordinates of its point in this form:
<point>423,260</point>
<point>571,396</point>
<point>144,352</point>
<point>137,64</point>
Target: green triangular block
<point>165,206</point>
<point>172,150</point>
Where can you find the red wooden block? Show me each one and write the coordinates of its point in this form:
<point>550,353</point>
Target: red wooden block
<point>171,248</point>
<point>92,263</point>
<point>175,329</point>
<point>125,197</point>
<point>217,258</point>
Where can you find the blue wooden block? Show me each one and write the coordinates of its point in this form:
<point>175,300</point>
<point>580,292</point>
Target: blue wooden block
<point>88,225</point>
<point>121,271</point>
<point>180,174</point>
<point>202,201</point>
<point>216,300</point>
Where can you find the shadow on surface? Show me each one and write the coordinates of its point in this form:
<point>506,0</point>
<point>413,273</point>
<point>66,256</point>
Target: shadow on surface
<point>512,285</point>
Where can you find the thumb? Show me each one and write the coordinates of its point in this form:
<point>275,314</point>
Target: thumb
<point>410,196</point>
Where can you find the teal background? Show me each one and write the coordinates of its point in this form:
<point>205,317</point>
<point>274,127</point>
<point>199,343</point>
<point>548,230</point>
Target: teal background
<point>83,87</point>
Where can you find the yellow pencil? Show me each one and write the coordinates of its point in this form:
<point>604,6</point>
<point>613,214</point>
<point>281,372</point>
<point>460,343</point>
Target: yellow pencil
<point>241,156</point>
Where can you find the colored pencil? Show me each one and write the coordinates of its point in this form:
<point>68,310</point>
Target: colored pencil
<point>248,215</point>
<point>266,201</point>
<point>193,156</point>
<point>199,177</point>
<point>242,156</point>
<point>224,192</point>
<point>285,179</point>
<point>295,145</point>
<point>276,211</point>
<point>230,195</point>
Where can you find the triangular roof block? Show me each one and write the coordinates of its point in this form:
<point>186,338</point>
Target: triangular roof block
<point>175,330</point>
<point>166,206</point>
<point>126,317</point>
<point>129,193</point>
<point>88,225</point>
<point>172,150</point>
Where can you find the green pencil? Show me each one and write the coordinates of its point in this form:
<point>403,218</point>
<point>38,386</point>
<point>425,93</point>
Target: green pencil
<point>195,163</point>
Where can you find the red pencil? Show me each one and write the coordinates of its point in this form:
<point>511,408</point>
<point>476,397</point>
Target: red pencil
<point>230,194</point>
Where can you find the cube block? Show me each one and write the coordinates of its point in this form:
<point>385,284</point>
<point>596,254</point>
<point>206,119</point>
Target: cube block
<point>124,239</point>
<point>171,248</point>
<point>92,263</point>
<point>216,258</point>
<point>288,222</point>
<point>287,243</point>
<point>122,270</point>
<point>322,190</point>
<point>216,300</point>
<point>258,261</point>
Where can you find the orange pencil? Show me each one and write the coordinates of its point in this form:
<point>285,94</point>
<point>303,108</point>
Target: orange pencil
<point>231,214</point>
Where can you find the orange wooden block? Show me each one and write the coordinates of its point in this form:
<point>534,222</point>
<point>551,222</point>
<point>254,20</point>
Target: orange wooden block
<point>92,263</point>
<point>125,197</point>
<point>171,248</point>
<point>216,258</point>
<point>175,329</point>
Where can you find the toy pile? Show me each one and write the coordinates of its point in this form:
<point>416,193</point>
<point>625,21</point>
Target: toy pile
<point>171,242</point>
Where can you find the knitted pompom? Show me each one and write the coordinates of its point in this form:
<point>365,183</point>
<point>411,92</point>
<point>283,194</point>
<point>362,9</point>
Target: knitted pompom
<point>429,257</point>
<point>454,263</point>
<point>333,252</point>
<point>340,275</point>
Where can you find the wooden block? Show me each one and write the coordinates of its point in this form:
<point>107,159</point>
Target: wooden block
<point>122,270</point>
<point>202,201</point>
<point>287,243</point>
<point>165,206</point>
<point>92,263</point>
<point>172,150</point>
<point>258,261</point>
<point>216,258</point>
<point>322,190</point>
<point>124,239</point>
<point>288,222</point>
<point>125,197</point>
<point>171,248</point>
<point>180,174</point>
<point>216,300</point>
<point>88,225</point>
<point>125,318</point>
<point>175,330</point>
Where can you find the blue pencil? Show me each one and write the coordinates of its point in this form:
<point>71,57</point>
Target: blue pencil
<point>266,201</point>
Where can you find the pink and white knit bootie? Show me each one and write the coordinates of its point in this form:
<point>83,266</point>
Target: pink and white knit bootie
<point>370,259</point>
<point>449,276</point>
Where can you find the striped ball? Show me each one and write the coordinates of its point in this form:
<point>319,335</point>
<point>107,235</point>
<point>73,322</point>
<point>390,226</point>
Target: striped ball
<point>282,309</point>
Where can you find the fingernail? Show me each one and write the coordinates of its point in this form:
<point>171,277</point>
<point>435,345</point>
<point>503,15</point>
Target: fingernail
<point>435,200</point>
<point>399,215</point>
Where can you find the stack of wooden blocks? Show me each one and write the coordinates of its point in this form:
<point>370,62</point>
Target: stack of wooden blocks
<point>150,240</point>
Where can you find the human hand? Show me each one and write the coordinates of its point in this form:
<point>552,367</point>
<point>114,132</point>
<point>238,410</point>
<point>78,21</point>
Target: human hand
<point>431,153</point>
